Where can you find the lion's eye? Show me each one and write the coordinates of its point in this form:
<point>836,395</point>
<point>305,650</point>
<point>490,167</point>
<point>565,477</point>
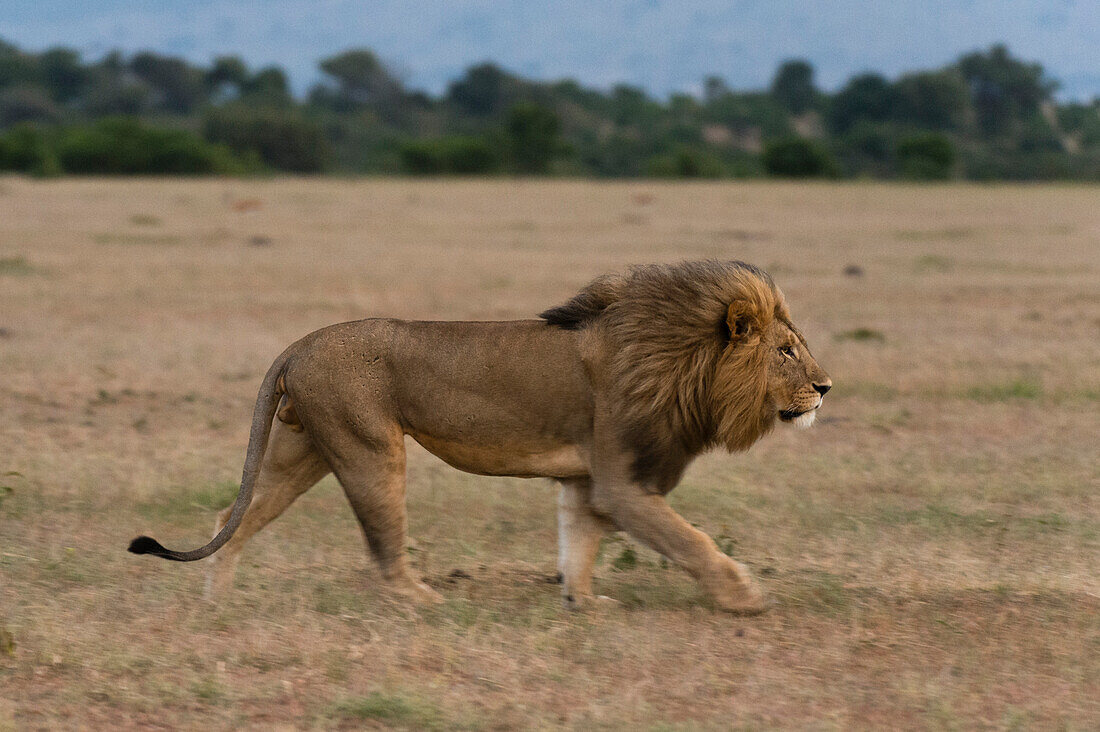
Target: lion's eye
<point>787,351</point>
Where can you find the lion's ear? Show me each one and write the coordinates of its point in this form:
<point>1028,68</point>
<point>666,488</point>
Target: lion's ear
<point>742,320</point>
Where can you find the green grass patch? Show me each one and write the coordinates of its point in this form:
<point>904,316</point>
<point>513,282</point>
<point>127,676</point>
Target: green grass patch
<point>653,589</point>
<point>1004,392</point>
<point>189,501</point>
<point>862,334</point>
<point>950,233</point>
<point>15,266</point>
<point>144,220</point>
<point>933,263</point>
<point>403,711</point>
<point>335,598</point>
<point>627,559</point>
<point>208,690</point>
<point>937,518</point>
<point>136,239</point>
<point>819,592</point>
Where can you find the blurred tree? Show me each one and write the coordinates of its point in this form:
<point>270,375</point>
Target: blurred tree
<point>631,106</point>
<point>927,156</point>
<point>26,104</point>
<point>746,112</point>
<point>181,87</point>
<point>867,97</point>
<point>460,155</point>
<point>868,149</point>
<point>685,162</point>
<point>226,76</point>
<point>937,100</point>
<point>25,149</point>
<point>1000,112</point>
<point>113,90</point>
<point>714,87</point>
<point>120,145</point>
<point>481,91</point>
<point>1035,134</point>
<point>16,67</point>
<point>793,86</point>
<point>283,139</point>
<point>1003,89</point>
<point>1082,121</point>
<point>63,73</point>
<point>533,137</point>
<point>269,86</point>
<point>362,80</point>
<point>796,157</point>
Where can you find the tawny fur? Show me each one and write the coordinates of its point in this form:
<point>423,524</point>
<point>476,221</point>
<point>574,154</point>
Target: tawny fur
<point>612,394</point>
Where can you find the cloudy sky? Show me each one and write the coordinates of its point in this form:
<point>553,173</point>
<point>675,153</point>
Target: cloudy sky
<point>663,45</point>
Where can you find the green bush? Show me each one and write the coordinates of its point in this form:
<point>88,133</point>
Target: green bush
<point>533,135</point>
<point>797,157</point>
<point>124,146</point>
<point>282,139</point>
<point>685,163</point>
<point>27,149</point>
<point>928,156</point>
<point>456,155</point>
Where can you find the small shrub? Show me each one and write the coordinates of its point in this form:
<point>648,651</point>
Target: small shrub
<point>685,163</point>
<point>125,146</point>
<point>280,139</point>
<point>533,138</point>
<point>797,157</point>
<point>1010,391</point>
<point>26,149</point>
<point>929,156</point>
<point>456,155</point>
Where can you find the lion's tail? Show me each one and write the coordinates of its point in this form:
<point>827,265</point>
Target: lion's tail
<point>266,403</point>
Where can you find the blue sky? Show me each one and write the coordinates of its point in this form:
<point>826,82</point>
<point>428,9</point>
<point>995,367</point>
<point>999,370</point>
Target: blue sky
<point>663,45</point>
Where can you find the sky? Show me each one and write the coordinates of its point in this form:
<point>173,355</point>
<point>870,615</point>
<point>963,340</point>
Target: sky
<point>664,46</point>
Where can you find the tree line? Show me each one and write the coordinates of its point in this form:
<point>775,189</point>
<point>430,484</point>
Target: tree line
<point>987,116</point>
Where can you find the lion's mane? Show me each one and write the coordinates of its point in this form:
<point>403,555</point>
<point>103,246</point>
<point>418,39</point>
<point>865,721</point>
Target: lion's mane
<point>675,381</point>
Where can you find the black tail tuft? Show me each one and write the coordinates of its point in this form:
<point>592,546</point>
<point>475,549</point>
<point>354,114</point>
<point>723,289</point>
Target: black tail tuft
<point>147,545</point>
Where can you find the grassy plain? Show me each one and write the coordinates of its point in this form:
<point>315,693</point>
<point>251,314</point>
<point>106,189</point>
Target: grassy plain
<point>932,544</point>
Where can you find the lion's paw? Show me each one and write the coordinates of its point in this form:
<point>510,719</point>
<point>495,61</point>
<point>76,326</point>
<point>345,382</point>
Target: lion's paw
<point>734,590</point>
<point>417,592</point>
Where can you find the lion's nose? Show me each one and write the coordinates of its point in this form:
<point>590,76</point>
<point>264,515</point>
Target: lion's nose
<point>823,387</point>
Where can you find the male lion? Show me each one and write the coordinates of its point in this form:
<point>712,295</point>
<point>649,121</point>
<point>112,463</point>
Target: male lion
<point>611,394</point>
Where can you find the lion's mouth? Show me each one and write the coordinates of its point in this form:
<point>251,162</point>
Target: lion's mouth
<point>789,415</point>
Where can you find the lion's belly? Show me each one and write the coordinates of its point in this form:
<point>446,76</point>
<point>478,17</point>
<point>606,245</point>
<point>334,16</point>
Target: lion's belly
<point>521,462</point>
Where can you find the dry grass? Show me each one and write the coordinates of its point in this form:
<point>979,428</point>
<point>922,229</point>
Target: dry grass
<point>932,545</point>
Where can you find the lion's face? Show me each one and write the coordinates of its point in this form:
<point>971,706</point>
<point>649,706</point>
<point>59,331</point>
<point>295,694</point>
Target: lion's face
<point>796,384</point>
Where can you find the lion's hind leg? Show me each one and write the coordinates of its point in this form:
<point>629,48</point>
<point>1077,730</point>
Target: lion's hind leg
<point>372,474</point>
<point>579,533</point>
<point>291,466</point>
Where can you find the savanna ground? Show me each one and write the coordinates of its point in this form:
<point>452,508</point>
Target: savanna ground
<point>932,545</point>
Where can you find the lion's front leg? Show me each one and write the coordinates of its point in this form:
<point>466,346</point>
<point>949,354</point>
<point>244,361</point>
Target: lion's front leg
<point>579,534</point>
<point>650,519</point>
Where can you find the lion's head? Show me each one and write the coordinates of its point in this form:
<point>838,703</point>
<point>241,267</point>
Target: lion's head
<point>696,354</point>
